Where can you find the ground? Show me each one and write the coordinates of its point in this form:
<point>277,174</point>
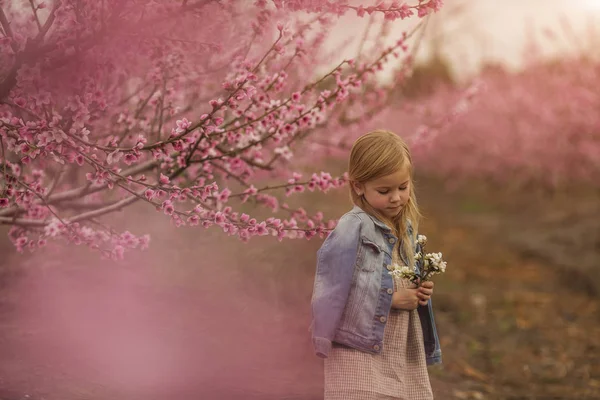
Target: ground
<point>517,321</point>
<point>518,311</point>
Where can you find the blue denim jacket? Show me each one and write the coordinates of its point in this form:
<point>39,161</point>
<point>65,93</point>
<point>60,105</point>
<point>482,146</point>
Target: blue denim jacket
<point>352,294</point>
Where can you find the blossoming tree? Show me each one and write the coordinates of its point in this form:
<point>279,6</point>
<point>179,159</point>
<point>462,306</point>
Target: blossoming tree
<point>538,126</point>
<point>182,105</point>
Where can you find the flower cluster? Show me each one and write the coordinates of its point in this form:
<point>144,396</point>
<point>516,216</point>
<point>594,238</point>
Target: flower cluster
<point>426,265</point>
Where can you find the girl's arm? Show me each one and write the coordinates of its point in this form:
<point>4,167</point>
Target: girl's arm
<point>335,266</point>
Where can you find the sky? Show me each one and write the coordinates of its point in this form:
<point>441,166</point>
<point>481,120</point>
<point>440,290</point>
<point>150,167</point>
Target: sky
<point>493,30</point>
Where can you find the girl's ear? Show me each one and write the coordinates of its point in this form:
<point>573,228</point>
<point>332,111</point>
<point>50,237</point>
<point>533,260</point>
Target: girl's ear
<point>358,188</point>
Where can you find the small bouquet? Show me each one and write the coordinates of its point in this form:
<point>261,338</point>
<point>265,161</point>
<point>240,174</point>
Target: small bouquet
<point>429,264</point>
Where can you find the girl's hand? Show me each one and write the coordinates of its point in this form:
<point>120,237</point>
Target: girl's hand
<point>424,292</point>
<point>405,299</point>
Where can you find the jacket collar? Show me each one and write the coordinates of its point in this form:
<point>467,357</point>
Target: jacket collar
<point>358,210</point>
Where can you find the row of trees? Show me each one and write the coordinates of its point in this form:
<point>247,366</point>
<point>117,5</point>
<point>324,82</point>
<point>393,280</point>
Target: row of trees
<point>539,126</point>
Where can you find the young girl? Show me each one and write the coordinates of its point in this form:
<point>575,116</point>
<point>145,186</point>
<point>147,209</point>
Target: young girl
<point>376,332</point>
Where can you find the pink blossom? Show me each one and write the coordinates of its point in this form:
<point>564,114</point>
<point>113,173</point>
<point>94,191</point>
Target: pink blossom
<point>118,252</point>
<point>182,125</point>
<point>164,180</point>
<point>149,194</point>
<point>21,242</point>
<point>199,210</point>
<point>261,229</point>
<point>230,229</point>
<point>131,158</point>
<point>435,5</point>
<point>251,191</point>
<point>177,221</point>
<point>224,195</point>
<point>405,11</point>
<point>168,207</point>
<point>219,218</point>
<point>423,10</point>
<point>144,242</point>
<point>244,234</point>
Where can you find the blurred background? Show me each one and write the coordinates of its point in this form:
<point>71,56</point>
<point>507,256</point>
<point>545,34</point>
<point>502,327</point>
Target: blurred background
<point>510,191</point>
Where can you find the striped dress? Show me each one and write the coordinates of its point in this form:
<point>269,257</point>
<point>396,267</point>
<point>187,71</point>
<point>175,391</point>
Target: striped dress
<point>398,372</point>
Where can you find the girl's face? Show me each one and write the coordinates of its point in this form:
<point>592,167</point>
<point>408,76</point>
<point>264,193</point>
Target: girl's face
<point>388,194</point>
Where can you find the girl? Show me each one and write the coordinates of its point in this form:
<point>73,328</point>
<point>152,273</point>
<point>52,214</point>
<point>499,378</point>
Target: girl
<point>376,332</point>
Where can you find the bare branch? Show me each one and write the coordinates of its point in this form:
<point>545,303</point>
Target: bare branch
<point>105,210</point>
<point>37,19</point>
<point>6,26</point>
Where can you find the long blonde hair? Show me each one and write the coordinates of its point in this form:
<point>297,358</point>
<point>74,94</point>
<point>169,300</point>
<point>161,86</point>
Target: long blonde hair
<point>380,153</point>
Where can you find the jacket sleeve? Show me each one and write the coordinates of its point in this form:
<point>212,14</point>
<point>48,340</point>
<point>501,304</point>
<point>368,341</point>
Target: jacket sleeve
<point>336,260</point>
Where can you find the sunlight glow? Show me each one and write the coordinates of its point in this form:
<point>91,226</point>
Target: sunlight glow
<point>591,4</point>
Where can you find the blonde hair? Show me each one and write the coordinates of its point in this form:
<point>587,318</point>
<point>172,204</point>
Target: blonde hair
<point>380,153</point>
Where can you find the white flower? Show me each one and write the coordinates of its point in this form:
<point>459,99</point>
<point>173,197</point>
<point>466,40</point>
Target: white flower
<point>402,271</point>
<point>432,264</point>
<point>53,228</point>
<point>422,240</point>
<point>284,151</point>
<point>442,266</point>
<point>114,157</point>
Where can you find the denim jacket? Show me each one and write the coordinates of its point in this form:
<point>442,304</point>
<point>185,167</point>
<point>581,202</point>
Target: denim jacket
<point>352,294</point>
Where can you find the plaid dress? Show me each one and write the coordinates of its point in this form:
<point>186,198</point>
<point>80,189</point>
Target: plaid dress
<point>398,372</point>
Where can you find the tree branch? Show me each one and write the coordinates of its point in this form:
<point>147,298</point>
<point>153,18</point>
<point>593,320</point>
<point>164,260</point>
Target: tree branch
<point>33,223</point>
<point>37,20</point>
<point>85,189</point>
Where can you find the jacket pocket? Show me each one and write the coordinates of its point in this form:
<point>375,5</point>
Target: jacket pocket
<point>371,253</point>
